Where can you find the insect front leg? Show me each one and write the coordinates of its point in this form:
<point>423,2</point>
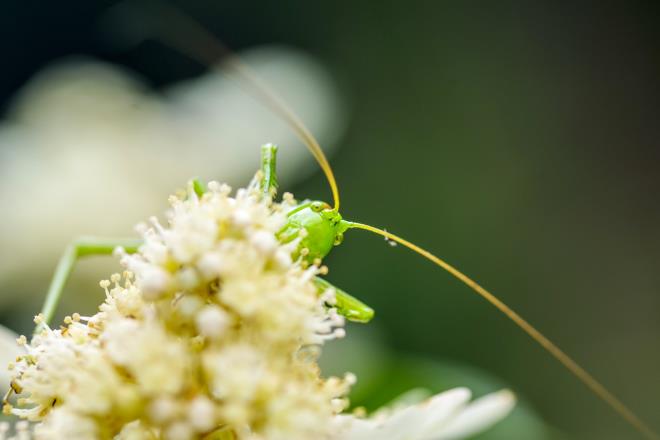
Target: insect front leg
<point>80,247</point>
<point>269,170</point>
<point>348,306</point>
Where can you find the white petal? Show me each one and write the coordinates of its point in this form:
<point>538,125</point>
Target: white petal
<point>404,424</point>
<point>415,422</point>
<point>441,408</point>
<point>9,350</point>
<point>353,428</point>
<point>478,416</point>
<point>422,420</point>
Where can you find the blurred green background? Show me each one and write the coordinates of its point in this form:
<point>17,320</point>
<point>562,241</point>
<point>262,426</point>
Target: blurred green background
<point>518,140</point>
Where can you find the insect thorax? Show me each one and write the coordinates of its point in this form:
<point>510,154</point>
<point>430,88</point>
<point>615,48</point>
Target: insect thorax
<point>323,226</point>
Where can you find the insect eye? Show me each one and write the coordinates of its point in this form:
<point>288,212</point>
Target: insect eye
<point>317,206</point>
<point>338,239</point>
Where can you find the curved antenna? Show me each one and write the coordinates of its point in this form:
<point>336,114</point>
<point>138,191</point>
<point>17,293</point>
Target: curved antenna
<point>596,387</point>
<point>190,38</point>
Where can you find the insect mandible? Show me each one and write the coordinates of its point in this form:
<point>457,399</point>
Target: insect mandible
<point>320,223</point>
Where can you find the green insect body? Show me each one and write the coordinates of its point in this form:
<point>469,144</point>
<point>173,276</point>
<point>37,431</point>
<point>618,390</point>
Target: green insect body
<point>319,228</point>
<point>324,228</point>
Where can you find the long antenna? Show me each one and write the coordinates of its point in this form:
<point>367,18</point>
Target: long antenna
<point>191,39</point>
<point>586,378</point>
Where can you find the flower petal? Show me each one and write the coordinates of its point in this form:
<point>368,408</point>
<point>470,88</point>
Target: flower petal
<point>441,408</point>
<point>353,428</point>
<point>9,350</point>
<point>479,415</point>
<point>417,422</point>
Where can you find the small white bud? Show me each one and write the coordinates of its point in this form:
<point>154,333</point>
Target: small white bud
<point>162,410</point>
<point>264,241</point>
<point>201,414</point>
<point>189,305</point>
<point>241,218</point>
<point>210,265</point>
<point>212,321</point>
<point>153,282</point>
<point>188,278</point>
<point>179,431</point>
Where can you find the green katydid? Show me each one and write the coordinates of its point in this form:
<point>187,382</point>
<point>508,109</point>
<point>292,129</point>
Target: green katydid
<point>323,224</point>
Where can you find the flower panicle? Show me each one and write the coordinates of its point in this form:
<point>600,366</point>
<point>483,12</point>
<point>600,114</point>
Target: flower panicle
<point>212,331</point>
<point>209,327</point>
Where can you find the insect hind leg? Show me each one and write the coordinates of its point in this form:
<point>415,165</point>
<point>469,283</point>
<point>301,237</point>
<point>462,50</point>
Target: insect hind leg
<point>348,306</point>
<point>81,247</point>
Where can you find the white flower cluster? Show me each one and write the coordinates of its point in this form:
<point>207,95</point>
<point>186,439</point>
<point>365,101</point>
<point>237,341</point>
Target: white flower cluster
<point>212,332</point>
